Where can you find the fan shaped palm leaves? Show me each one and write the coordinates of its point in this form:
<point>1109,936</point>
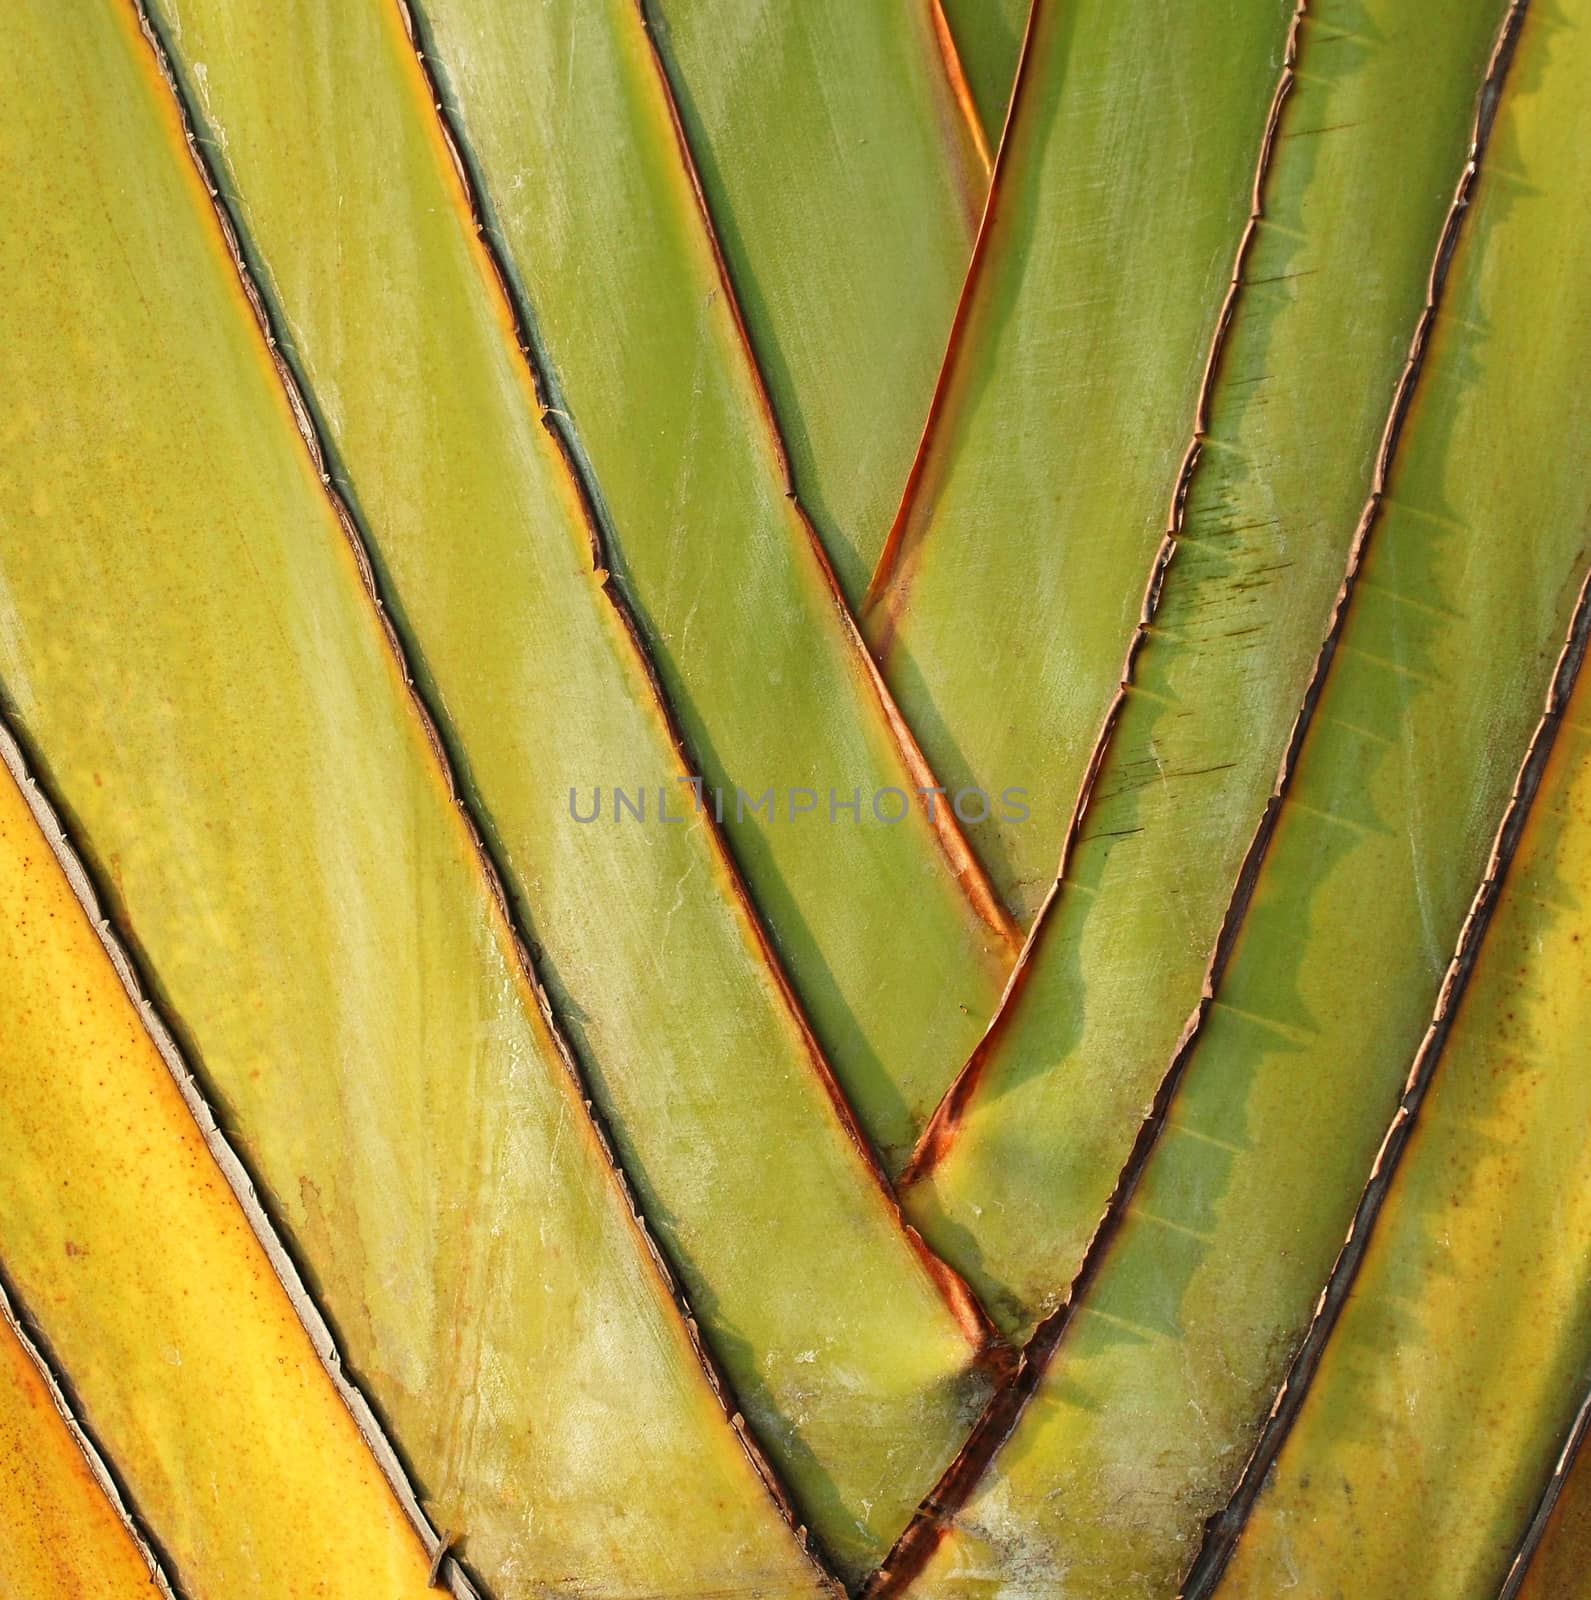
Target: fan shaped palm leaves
<point>797,799</point>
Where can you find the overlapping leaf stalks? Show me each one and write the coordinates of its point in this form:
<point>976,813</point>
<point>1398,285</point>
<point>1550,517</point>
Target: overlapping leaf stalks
<point>795,796</point>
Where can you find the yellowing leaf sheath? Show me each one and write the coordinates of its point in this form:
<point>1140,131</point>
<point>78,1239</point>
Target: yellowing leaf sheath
<point>794,799</point>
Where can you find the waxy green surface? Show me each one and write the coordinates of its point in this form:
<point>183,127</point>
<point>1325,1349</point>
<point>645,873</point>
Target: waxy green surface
<point>845,185</point>
<point>186,647</point>
<point>1070,398</point>
<point>1461,1355</point>
<point>1369,147</point>
<point>563,109</point>
<point>1171,1360</point>
<point>837,1338</point>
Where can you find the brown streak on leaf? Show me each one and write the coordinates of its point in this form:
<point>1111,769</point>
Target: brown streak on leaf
<point>957,77</point>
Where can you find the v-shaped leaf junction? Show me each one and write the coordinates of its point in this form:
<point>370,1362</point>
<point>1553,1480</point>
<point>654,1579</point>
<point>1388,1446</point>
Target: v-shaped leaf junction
<point>422,413</point>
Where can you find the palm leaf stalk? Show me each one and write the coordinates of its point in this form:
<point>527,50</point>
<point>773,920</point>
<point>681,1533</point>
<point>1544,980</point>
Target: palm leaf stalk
<point>1428,1257</point>
<point>457,1133</point>
<point>746,1309</point>
<point>291,749</point>
<point>1118,969</point>
<point>847,323</point>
